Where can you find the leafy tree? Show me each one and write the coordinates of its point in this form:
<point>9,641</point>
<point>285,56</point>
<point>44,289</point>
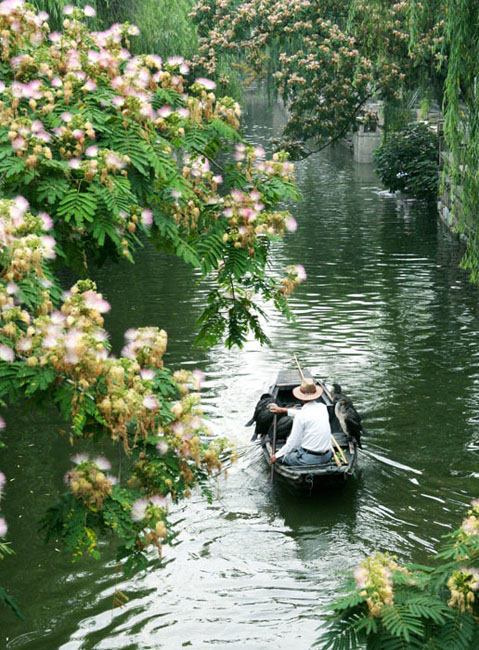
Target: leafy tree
<point>391,607</point>
<point>326,58</point>
<point>113,147</point>
<point>100,149</point>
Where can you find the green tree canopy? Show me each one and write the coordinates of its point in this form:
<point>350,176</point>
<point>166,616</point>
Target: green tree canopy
<point>325,58</point>
<point>101,149</point>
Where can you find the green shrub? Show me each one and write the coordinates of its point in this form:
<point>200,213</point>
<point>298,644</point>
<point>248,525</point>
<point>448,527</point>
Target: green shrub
<point>393,607</point>
<point>408,161</point>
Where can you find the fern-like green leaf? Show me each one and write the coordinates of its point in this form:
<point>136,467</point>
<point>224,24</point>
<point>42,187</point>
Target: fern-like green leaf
<point>237,263</point>
<point>400,621</point>
<point>52,189</point>
<point>79,206</point>
<point>11,603</point>
<point>188,253</point>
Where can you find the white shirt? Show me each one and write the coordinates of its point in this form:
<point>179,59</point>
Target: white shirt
<point>311,429</point>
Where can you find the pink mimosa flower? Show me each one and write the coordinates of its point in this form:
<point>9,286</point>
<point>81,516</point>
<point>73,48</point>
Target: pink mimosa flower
<point>291,224</point>
<point>81,457</point>
<point>158,501</point>
<point>175,60</point>
<point>37,126</point>
<point>162,447</point>
<point>102,463</point>
<point>57,317</point>
<point>24,345</point>
<point>6,353</point>
<point>74,163</point>
<point>21,203</point>
<point>47,220</point>
<point>206,83</point>
<point>147,218</point>
<point>131,334</point>
<point>150,402</point>
<point>138,509</point>
<point>95,301</point>
<point>90,85</point>
<point>18,144</point>
<point>300,270</point>
<point>199,377</point>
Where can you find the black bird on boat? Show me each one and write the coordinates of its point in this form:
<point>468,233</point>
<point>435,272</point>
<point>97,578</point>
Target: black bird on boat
<point>262,416</point>
<point>348,417</point>
<point>263,419</point>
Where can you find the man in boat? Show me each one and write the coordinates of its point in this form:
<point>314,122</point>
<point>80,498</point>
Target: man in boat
<point>309,442</point>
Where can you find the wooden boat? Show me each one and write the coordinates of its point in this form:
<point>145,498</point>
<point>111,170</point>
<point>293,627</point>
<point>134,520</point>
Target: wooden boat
<point>306,479</point>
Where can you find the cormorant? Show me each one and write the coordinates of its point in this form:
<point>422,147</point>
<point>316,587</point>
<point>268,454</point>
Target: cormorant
<point>348,417</point>
<point>263,418</point>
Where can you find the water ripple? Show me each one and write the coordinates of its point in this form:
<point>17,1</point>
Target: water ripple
<point>385,312</point>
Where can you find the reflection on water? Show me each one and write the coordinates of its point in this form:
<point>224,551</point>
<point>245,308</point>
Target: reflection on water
<point>385,312</point>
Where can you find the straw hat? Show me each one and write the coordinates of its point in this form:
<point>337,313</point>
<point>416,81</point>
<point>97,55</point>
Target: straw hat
<point>308,390</point>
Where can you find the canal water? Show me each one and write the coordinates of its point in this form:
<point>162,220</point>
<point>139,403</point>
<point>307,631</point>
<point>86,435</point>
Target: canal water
<point>385,312</point>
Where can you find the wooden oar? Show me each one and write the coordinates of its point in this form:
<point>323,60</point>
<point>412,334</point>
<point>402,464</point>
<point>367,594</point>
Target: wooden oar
<point>299,367</point>
<point>275,419</point>
<point>341,452</point>
<point>336,459</point>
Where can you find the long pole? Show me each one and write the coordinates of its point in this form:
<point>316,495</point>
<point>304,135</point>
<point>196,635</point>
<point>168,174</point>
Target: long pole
<point>336,459</point>
<point>341,452</point>
<point>299,367</point>
<point>273,452</point>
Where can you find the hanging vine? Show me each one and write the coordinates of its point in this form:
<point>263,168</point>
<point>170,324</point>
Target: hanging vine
<point>461,124</point>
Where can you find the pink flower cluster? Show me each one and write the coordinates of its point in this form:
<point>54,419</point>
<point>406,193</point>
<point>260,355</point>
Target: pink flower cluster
<point>26,244</point>
<point>295,274</point>
<point>374,579</point>
<point>89,481</point>
<point>146,345</point>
